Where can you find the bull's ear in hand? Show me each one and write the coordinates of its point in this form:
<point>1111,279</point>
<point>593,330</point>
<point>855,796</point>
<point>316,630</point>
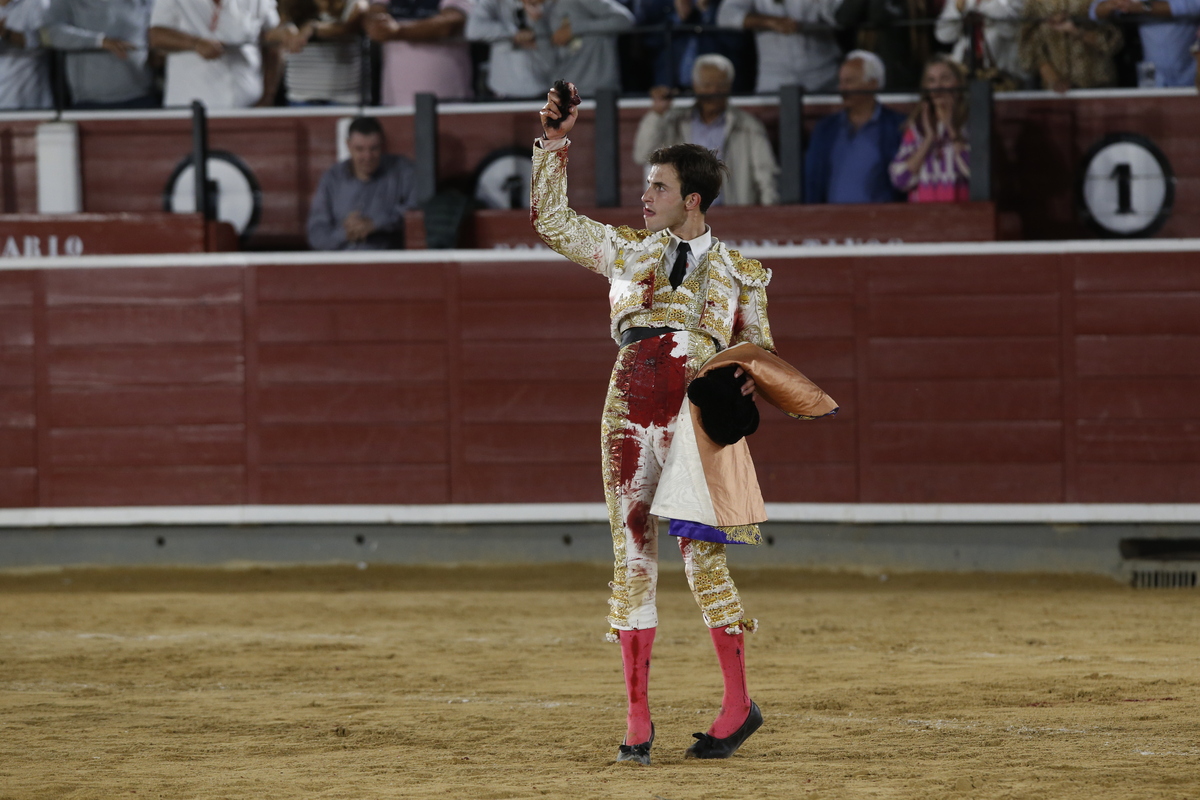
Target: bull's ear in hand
<point>567,97</point>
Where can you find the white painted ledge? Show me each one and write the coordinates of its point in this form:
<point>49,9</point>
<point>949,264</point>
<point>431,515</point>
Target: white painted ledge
<point>560,513</point>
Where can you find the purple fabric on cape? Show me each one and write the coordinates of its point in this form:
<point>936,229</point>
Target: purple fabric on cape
<point>685,529</point>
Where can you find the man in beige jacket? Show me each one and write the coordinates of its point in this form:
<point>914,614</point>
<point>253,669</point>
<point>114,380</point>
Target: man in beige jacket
<point>737,137</point>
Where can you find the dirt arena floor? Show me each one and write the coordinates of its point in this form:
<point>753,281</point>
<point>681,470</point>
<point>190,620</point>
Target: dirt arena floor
<point>496,683</point>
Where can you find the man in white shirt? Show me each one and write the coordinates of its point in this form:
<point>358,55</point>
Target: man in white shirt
<point>794,38</point>
<point>24,69</point>
<point>222,52</point>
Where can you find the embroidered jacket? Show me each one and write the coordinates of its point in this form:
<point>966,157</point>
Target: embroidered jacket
<point>724,296</point>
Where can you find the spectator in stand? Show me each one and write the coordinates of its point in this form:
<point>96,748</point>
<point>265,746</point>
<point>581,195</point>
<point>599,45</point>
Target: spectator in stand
<point>737,137</point>
<point>933,163</point>
<point>674,58</point>
<point>324,64</point>
<point>584,35</point>
<point>880,26</point>
<point>225,54</point>
<point>113,71</point>
<point>997,48</point>
<point>850,151</point>
<point>519,58</point>
<point>423,49</point>
<point>1196,57</point>
<point>1165,41</point>
<point>789,50</point>
<point>360,203</point>
<point>24,65</point>
<point>1065,49</point>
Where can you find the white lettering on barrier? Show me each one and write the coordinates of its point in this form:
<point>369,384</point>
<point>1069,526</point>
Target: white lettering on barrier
<point>37,247</point>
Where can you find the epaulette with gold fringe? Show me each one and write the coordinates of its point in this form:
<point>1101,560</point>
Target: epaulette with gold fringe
<point>749,271</point>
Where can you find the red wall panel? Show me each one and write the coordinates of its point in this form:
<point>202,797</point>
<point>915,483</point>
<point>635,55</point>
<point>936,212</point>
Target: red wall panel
<point>973,378</point>
<point>354,483</point>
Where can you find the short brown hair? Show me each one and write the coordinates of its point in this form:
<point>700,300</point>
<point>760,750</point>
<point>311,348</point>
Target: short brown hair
<point>700,171</point>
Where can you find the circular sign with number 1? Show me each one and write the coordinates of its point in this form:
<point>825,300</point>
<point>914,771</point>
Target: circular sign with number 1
<point>1127,188</point>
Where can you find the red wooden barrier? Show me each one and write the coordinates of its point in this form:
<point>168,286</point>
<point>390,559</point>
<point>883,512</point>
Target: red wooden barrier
<point>39,236</point>
<point>757,225</point>
<point>995,376</point>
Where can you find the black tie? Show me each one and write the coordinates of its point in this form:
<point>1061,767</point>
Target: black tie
<point>677,271</point>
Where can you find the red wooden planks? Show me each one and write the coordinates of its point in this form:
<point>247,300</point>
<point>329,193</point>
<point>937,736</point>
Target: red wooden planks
<point>960,275</point>
<point>810,317</point>
<point>418,362</point>
<point>965,315</point>
<point>1139,483</point>
<point>355,483</point>
<point>531,483</point>
<point>965,442</point>
<point>1015,357</point>
<point>16,288</point>
<point>1169,441</point>
<point>979,399</point>
<point>329,321</point>
<point>175,445</point>
<point>582,359</point>
<point>158,324</point>
<point>18,447</point>
<point>152,364</point>
<point>16,327</point>
<point>333,442</point>
<point>1138,313</point>
<point>544,319</point>
<point>1139,398</point>
<point>16,366</point>
<point>505,402</point>
<point>962,483</point>
<point>111,406</point>
<point>1138,356</point>
<point>801,481</point>
<point>524,442</point>
<point>16,408</point>
<point>353,402</point>
<point>18,487</point>
<point>137,287</point>
<point>788,441</point>
<point>369,282</point>
<point>146,486</point>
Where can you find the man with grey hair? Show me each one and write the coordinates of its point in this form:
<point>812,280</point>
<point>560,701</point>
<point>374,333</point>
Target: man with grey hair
<point>849,153</point>
<point>737,137</point>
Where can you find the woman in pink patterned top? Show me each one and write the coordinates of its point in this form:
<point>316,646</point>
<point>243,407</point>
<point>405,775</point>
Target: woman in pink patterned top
<point>933,163</point>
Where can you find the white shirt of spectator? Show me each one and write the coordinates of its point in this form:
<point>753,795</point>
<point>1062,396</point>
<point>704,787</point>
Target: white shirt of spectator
<point>235,79</point>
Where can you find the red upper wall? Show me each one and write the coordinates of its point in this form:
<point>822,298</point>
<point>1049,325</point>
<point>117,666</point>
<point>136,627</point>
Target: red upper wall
<point>1041,140</point>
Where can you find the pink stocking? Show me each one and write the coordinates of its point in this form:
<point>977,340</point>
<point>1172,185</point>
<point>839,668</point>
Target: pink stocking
<point>635,654</point>
<point>735,704</point>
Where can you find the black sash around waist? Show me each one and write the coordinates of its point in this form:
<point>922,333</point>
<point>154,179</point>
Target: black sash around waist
<point>638,334</point>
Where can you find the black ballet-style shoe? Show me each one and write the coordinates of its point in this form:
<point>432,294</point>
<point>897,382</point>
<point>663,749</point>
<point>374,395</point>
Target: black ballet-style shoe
<point>637,752</point>
<point>708,746</point>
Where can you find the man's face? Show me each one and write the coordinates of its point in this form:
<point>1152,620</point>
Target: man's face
<point>851,80</point>
<point>366,151</point>
<point>662,203</point>
<point>712,89</point>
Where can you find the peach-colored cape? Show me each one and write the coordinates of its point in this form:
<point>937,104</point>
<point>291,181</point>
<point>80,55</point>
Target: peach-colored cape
<point>714,484</point>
